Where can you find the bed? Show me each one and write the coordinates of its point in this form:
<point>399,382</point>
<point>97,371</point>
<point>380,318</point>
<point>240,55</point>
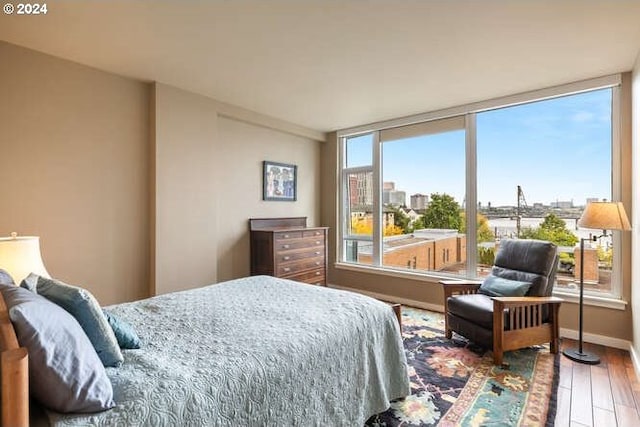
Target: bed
<point>254,351</point>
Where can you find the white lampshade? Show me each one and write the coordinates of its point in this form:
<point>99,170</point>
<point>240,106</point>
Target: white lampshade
<point>20,255</point>
<point>605,216</point>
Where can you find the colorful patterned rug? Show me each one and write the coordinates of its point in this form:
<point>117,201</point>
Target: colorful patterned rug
<point>454,383</point>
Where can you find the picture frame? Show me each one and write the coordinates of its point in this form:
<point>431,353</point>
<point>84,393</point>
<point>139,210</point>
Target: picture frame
<point>279,181</point>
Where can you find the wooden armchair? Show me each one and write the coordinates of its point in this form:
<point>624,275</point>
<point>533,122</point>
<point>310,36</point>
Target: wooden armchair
<point>505,323</point>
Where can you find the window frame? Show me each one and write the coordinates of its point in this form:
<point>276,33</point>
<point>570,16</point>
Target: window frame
<point>468,112</point>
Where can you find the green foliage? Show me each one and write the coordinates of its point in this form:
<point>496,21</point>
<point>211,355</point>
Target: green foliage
<point>605,256</point>
<point>482,224</point>
<point>566,258</point>
<point>443,212</point>
<point>552,229</point>
<point>486,256</point>
<point>484,231</point>
<point>400,219</point>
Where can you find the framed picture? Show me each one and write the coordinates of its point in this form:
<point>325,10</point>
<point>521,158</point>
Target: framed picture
<point>279,181</point>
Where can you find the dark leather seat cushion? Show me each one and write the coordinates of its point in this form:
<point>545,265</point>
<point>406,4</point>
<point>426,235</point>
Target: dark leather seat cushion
<point>477,308</point>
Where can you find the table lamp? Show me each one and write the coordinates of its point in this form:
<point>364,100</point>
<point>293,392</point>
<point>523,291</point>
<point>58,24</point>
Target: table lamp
<point>604,216</point>
<point>20,255</point>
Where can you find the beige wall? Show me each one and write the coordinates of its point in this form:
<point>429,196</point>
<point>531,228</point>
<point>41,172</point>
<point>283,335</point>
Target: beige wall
<point>73,143</point>
<point>597,320</point>
<point>185,190</point>
<point>137,188</point>
<point>209,183</point>
<point>635,215</point>
<point>239,154</point>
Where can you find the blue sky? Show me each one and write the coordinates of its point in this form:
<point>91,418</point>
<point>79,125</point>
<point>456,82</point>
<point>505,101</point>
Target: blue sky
<point>557,149</point>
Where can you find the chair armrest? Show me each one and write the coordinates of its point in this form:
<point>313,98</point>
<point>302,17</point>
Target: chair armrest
<point>522,301</point>
<point>452,287</point>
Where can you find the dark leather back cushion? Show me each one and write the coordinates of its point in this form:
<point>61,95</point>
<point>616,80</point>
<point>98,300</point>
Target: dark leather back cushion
<point>533,256</point>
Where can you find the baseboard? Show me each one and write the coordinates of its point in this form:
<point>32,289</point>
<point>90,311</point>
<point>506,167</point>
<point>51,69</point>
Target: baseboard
<point>596,339</point>
<point>394,299</point>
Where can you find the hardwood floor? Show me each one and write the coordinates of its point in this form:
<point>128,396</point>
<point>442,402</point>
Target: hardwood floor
<point>606,395</point>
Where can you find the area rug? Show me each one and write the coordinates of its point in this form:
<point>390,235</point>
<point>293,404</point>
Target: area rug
<point>454,383</point>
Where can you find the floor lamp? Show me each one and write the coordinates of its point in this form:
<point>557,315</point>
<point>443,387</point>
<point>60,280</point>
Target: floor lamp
<point>604,216</point>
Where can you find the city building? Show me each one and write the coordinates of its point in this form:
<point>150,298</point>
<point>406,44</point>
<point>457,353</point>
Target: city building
<point>562,204</point>
<point>392,196</point>
<point>360,189</point>
<point>427,249</point>
<point>419,201</point>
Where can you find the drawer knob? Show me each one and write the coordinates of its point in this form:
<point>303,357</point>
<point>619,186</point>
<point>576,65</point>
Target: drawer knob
<point>286,258</point>
<point>317,273</point>
<point>317,242</point>
<point>317,262</point>
<point>317,252</point>
<point>286,269</point>
<point>286,236</point>
<point>285,246</point>
<point>317,234</point>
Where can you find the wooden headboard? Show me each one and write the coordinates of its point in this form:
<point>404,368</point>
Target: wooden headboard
<point>14,374</point>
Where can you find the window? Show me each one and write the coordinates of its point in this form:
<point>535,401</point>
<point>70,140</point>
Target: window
<point>524,166</point>
<point>357,177</point>
<point>423,165</point>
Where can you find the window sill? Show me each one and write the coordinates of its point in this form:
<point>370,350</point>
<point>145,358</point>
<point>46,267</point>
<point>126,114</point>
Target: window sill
<point>568,297</point>
<point>422,277</point>
<point>592,300</point>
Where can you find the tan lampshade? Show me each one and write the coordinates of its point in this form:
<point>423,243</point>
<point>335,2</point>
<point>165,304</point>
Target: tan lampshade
<point>20,255</point>
<point>605,216</point>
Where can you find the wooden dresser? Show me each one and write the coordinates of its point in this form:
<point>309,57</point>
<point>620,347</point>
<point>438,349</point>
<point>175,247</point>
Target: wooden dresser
<point>287,248</point>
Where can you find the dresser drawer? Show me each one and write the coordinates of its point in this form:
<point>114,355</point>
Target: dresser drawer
<point>298,244</point>
<point>286,257</point>
<point>300,265</point>
<point>312,233</point>
<point>315,276</point>
<point>287,235</point>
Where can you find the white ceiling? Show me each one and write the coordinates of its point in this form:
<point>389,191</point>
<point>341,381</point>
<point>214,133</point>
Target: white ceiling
<point>334,64</point>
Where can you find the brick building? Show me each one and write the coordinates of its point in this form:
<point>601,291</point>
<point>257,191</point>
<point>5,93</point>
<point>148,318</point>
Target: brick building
<point>430,249</point>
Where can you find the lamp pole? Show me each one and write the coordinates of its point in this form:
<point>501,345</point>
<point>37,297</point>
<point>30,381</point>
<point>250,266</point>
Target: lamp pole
<point>579,355</point>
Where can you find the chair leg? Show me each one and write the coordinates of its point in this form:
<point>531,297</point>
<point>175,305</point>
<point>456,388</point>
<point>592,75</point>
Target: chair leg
<point>447,331</point>
<point>555,329</point>
<point>498,332</point>
<point>497,356</point>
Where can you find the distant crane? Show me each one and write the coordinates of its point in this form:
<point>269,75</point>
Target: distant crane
<point>522,204</point>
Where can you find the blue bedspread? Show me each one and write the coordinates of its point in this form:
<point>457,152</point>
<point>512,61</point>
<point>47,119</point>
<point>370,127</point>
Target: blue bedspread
<point>257,351</point>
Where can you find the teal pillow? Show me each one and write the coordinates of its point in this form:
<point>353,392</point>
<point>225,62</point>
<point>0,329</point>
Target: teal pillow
<point>494,286</point>
<point>85,308</point>
<point>124,332</point>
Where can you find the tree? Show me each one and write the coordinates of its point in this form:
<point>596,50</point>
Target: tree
<point>364,226</point>
<point>400,219</point>
<point>443,212</point>
<point>553,229</point>
<point>392,230</point>
<point>605,256</point>
<point>484,232</point>
<point>361,225</point>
